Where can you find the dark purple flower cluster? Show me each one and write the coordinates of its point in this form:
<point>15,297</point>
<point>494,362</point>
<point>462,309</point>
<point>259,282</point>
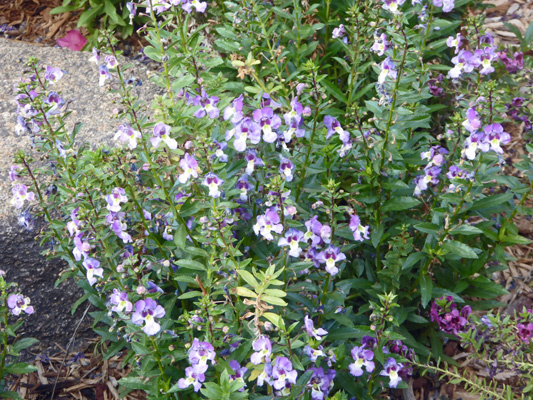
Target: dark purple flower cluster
<point>444,311</point>
<point>518,112</point>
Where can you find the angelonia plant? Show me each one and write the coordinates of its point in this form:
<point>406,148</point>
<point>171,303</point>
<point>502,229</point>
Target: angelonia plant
<point>278,221</point>
<point>14,306</point>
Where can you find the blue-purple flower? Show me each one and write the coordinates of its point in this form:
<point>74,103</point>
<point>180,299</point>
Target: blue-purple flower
<point>146,311</point>
<point>104,75</point>
<point>162,133</point>
<point>246,129</point>
<point>201,352</point>
<point>321,382</point>
<point>496,137</point>
<point>333,126</point>
<point>189,166</point>
<point>252,160</point>
<point>199,6</point>
<point>283,374</point>
<point>285,168</point>
<point>17,303</point>
<point>381,44</point>
<point>362,358</point>
<point>360,231</point>
<point>388,68</point>
<point>120,301</point>
<point>331,256</point>
<point>292,239</point>
<point>423,181</point>
<point>117,196</point>
<point>127,134</point>
<point>20,195</point>
<point>234,111</point>
<point>208,106</point>
<point>194,376</point>
<point>317,333</point>
<point>53,75</point>
<point>268,121</point>
<point>391,369</point>
<point>244,186</point>
<point>263,349</point>
<point>239,373</point>
<point>267,223</point>
<point>213,182</point>
<point>92,266</point>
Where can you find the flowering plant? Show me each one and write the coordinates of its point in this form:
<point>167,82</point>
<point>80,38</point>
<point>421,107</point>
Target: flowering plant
<point>278,222</point>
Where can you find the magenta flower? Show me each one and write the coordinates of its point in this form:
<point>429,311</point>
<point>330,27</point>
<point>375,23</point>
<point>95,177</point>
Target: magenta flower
<point>201,352</point>
<point>146,311</point>
<point>73,40</point>
<point>117,196</point>
<point>330,257</point>
<point>362,358</point>
<point>20,195</point>
<point>514,64</point>
<point>127,134</point>
<point>444,311</point>
<point>360,232</point>
<point>18,303</point>
<point>263,350</point>
<point>189,165</point>
<point>120,301</point>
<point>268,121</point>
<point>525,332</point>
<point>311,331</point>
<point>162,133</point>
<point>391,369</point>
<point>194,376</point>
<point>92,266</point>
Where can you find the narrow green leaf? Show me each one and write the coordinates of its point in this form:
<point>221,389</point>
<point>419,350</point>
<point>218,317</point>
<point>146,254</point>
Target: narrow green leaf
<point>191,264</point>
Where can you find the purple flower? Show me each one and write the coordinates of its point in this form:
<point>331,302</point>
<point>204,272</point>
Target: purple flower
<point>447,5</point>
<point>234,111</point>
<point>496,136</point>
<point>189,165</point>
<point>330,257</point>
<point>317,232</point>
<point>293,128</point>
<point>485,57</point>
<point>369,342</point>
<point>285,168</point>
<point>147,311</point>
<point>391,369</point>
<point>444,312</point>
<point>393,5</point>
<point>201,352</point>
<point>20,195</point>
<point>104,74</point>
<point>292,239</point>
<point>313,354</point>
<point>381,44</point>
<point>339,32</point>
<point>435,156</point>
<point>194,376</point>
<point>213,182</point>
<point>311,331</point>
<point>388,68</point>
<point>200,7</point>
<point>360,232</point>
<point>247,129</point>
<point>474,142</point>
<point>13,176</point>
<point>266,375</point>
<point>53,75</point>
<point>263,350</point>
<point>266,101</point>
<point>423,181</point>
<point>74,223</point>
<point>120,301</point>
<point>81,247</point>
<point>283,373</point>
<point>55,102</point>
<point>472,122</point>
<point>333,126</point>
<point>161,133</point>
<point>457,173</point>
<point>465,61</point>
<point>117,196</point>
<point>208,105</point>
<point>26,220</point>
<point>18,303</point>
<point>252,160</point>
<point>219,152</point>
<point>267,223</point>
<point>321,382</point>
<point>456,42</point>
<point>126,133</point>
<point>268,121</point>
<point>244,186</point>
<point>95,58</point>
<point>239,373</point>
<point>111,62</point>
<point>92,266</point>
<point>362,358</point>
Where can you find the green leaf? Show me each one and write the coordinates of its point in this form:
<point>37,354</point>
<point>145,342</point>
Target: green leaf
<point>276,301</point>
<point>514,29</point>
<point>180,236</point>
<point>376,235</point>
<point>275,292</point>
<point>528,37</point>
<point>426,289</point>
<point>400,203</point>
<point>242,291</point>
<point>491,201</point>
<point>8,394</point>
<point>465,230</point>
<point>24,344</point>
<point>111,11</point>
<point>64,9</point>
<point>248,277</point>
<point>459,249</point>
<point>191,264</point>
<point>334,91</point>
<point>427,227</point>
<point>190,295</point>
<point>137,383</point>
<point>19,368</point>
<point>345,334</point>
<point>88,16</point>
